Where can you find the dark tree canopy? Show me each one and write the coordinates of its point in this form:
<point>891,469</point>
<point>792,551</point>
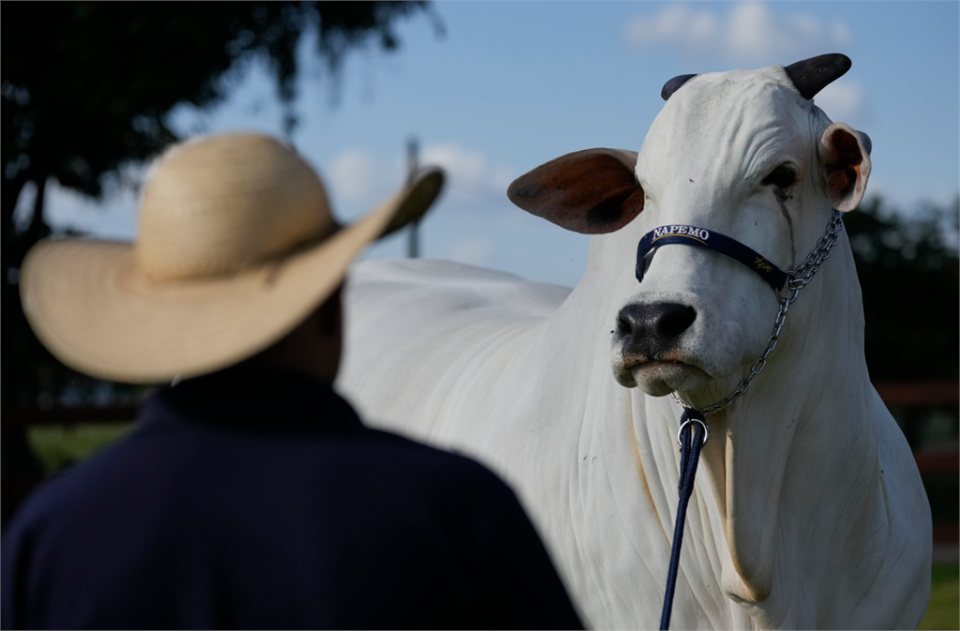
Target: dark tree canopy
<point>86,86</point>
<point>910,277</point>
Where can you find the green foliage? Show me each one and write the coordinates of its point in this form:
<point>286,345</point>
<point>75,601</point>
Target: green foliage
<point>62,446</point>
<point>942,491</point>
<point>910,277</point>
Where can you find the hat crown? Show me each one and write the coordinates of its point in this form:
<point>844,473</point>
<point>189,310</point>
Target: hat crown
<point>219,204</point>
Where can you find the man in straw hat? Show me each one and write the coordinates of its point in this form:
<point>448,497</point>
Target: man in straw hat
<point>250,494</point>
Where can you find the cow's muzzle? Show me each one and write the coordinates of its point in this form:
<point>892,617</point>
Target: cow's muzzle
<point>651,332</point>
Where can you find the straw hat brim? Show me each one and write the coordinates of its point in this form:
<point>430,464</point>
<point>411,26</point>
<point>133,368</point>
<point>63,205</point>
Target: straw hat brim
<point>92,307</point>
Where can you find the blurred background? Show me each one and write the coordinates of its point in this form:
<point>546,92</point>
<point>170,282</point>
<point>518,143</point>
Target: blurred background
<point>91,92</point>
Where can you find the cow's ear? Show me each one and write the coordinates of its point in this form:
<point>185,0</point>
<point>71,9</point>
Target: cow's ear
<point>592,191</point>
<point>846,156</point>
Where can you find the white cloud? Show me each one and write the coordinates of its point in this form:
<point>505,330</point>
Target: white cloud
<point>841,33</point>
<point>24,208</point>
<point>808,26</point>
<point>359,177</point>
<point>469,170</point>
<point>843,101</point>
<point>750,33</point>
<point>112,217</point>
<point>669,27</point>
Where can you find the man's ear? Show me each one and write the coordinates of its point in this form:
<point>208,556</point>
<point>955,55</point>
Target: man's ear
<point>592,191</point>
<point>846,155</point>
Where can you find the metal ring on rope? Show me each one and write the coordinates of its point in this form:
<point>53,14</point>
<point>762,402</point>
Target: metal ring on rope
<point>706,430</point>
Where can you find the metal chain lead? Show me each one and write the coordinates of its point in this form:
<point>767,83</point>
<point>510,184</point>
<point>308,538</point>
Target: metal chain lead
<point>798,280</point>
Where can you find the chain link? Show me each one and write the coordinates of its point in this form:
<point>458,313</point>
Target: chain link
<point>798,280</point>
<point>803,274</point>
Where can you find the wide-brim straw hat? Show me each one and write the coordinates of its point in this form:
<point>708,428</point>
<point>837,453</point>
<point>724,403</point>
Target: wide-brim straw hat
<point>236,247</point>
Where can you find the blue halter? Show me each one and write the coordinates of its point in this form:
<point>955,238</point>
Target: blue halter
<point>700,237</point>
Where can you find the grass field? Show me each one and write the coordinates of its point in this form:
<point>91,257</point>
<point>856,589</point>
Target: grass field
<point>61,446</point>
<point>944,609</point>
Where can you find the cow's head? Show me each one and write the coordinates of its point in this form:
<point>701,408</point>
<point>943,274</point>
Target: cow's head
<point>743,153</point>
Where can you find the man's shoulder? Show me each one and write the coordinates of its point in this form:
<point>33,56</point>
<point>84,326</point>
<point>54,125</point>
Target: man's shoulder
<point>420,457</point>
<point>73,488</point>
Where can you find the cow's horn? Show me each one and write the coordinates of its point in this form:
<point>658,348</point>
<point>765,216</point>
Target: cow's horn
<point>674,84</point>
<point>814,74</point>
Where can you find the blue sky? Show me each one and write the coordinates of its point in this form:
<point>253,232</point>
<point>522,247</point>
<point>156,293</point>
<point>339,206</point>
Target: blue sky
<point>513,85</point>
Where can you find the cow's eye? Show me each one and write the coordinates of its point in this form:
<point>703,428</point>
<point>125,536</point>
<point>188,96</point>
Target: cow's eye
<point>781,177</point>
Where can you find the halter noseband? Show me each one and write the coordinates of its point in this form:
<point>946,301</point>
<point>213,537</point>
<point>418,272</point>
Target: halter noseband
<point>700,237</point>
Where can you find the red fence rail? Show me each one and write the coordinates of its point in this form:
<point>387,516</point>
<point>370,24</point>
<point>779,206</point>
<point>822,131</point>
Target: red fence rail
<point>916,394</point>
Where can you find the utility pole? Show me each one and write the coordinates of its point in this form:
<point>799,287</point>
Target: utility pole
<point>413,245</point>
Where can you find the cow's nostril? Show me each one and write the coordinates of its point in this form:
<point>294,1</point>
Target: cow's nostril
<point>675,319</point>
<point>658,323</point>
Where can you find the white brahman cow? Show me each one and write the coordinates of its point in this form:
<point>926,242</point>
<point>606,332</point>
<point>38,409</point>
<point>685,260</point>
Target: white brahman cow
<point>808,511</point>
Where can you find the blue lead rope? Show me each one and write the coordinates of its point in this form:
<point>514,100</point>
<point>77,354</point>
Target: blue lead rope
<point>692,436</point>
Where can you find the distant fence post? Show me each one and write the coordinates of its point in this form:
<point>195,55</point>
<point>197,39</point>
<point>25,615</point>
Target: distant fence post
<point>413,245</point>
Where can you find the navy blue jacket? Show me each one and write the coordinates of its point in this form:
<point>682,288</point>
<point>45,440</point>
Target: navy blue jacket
<point>258,499</point>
